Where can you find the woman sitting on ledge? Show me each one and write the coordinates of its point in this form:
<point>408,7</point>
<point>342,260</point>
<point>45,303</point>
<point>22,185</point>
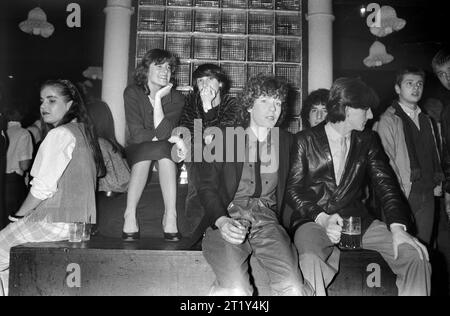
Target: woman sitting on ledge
<point>152,110</point>
<point>65,171</point>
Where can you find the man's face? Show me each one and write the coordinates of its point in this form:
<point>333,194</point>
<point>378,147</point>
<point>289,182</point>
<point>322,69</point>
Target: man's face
<point>356,119</point>
<point>411,89</point>
<point>317,114</point>
<point>265,112</point>
<point>443,74</point>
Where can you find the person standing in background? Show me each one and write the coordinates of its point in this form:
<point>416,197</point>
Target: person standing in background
<point>18,160</point>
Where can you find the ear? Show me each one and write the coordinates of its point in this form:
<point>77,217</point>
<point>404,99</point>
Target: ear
<point>397,89</point>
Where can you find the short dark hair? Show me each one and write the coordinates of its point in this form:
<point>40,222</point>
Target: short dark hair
<point>319,96</point>
<point>157,56</point>
<point>211,70</point>
<point>408,71</point>
<point>352,92</point>
<point>441,57</point>
<point>262,85</point>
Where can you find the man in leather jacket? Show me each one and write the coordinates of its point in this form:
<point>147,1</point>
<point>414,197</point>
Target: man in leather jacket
<point>329,165</point>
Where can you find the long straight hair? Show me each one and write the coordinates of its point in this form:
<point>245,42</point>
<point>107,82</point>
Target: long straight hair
<point>103,121</point>
<point>78,112</point>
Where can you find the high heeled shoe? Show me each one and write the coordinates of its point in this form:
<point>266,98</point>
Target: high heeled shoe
<point>172,237</point>
<point>131,236</point>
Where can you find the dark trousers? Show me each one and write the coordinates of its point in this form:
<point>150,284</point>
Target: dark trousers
<point>422,205</point>
<point>441,245</point>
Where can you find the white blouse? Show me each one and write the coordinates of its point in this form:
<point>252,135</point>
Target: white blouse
<point>51,160</point>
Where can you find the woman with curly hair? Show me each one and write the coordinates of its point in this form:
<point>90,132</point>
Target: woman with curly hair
<point>64,173</point>
<point>152,109</point>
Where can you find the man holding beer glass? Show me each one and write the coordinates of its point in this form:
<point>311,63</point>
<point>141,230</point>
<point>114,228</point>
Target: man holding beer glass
<point>329,166</point>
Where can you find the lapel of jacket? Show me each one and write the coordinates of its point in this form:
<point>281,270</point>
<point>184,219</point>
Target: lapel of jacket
<point>350,165</point>
<point>283,165</point>
<point>232,171</point>
<point>326,152</point>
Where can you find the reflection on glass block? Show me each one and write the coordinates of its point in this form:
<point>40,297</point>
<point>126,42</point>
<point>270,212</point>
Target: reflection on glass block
<point>261,4</point>
<point>294,125</point>
<point>234,22</point>
<point>288,24</point>
<point>207,3</point>
<point>181,3</point>
<point>256,69</point>
<point>207,21</point>
<point>152,2</point>
<point>179,20</point>
<point>236,73</point>
<point>181,46</point>
<point>293,5</point>
<point>234,4</point>
<point>260,23</point>
<point>206,48</point>
<point>151,20</point>
<point>292,73</point>
<point>294,103</point>
<point>260,49</point>
<point>233,49</point>
<point>183,75</point>
<point>288,50</point>
<point>146,42</point>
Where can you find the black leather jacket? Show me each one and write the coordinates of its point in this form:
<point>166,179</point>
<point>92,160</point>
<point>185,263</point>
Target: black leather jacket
<point>312,186</point>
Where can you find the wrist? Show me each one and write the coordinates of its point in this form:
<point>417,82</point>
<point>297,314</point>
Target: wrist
<point>221,221</point>
<point>322,219</point>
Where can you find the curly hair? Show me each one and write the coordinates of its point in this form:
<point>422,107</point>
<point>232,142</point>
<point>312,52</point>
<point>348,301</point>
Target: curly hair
<point>352,92</point>
<point>157,56</point>
<point>214,71</point>
<point>258,86</point>
<point>78,112</point>
<point>319,96</point>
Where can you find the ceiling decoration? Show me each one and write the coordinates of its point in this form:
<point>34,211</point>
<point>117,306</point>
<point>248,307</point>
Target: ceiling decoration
<point>37,24</point>
<point>387,22</point>
<point>378,56</point>
<point>93,73</point>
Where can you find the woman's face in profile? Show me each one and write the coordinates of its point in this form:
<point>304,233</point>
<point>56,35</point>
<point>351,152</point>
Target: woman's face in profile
<point>53,105</point>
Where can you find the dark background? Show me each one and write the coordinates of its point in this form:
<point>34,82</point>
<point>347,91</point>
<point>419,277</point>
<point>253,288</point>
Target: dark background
<point>33,59</point>
<point>69,51</point>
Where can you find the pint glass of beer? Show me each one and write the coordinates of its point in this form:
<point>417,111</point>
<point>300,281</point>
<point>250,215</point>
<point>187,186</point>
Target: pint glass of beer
<point>351,233</point>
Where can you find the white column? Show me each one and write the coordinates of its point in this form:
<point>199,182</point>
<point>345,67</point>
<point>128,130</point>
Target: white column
<point>115,60</point>
<point>320,24</point>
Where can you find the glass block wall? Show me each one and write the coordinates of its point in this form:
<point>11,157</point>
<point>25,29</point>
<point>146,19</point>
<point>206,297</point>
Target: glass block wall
<point>244,37</point>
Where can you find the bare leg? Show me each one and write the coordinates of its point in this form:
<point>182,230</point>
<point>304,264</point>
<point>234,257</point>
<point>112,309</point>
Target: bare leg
<point>139,176</point>
<point>168,182</point>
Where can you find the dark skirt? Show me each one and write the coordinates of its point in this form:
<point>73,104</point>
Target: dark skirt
<point>148,151</point>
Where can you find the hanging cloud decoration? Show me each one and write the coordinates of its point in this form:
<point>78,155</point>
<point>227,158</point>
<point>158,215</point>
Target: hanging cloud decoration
<point>378,56</point>
<point>37,24</point>
<point>387,22</point>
